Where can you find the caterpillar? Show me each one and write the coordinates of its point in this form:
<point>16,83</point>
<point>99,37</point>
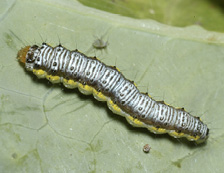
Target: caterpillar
<point>107,83</point>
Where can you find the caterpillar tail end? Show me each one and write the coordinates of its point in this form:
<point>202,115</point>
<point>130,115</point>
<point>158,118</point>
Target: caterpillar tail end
<point>21,56</point>
<point>203,140</point>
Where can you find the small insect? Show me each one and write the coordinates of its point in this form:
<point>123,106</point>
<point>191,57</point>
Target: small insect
<point>91,76</point>
<point>100,44</point>
<point>146,148</point>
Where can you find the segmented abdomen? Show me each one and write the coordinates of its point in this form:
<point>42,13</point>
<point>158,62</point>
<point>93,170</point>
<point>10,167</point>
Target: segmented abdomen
<point>90,75</point>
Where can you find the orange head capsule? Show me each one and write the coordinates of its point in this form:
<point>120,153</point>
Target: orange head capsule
<point>27,56</point>
<point>21,56</point>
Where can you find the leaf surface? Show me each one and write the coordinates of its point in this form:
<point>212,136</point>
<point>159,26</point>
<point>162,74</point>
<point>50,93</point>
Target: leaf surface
<point>48,128</point>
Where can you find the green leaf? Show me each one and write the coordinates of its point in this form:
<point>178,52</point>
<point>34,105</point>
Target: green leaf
<point>48,128</point>
<point>208,14</point>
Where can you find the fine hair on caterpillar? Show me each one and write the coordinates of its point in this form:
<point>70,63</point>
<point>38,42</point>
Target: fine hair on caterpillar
<point>91,76</point>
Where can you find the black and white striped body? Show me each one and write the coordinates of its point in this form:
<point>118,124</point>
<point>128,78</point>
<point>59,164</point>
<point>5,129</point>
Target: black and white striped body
<point>89,71</point>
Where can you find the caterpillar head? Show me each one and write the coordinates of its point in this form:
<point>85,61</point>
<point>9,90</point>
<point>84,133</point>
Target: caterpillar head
<point>21,56</point>
<point>27,56</point>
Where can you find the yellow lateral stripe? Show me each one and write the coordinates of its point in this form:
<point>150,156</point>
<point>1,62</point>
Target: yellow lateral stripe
<point>85,89</point>
<point>134,121</point>
<point>177,135</point>
<point>53,79</point>
<point>69,83</point>
<point>192,138</point>
<point>114,108</point>
<point>156,130</point>
<point>161,131</point>
<point>40,73</point>
<point>99,95</point>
